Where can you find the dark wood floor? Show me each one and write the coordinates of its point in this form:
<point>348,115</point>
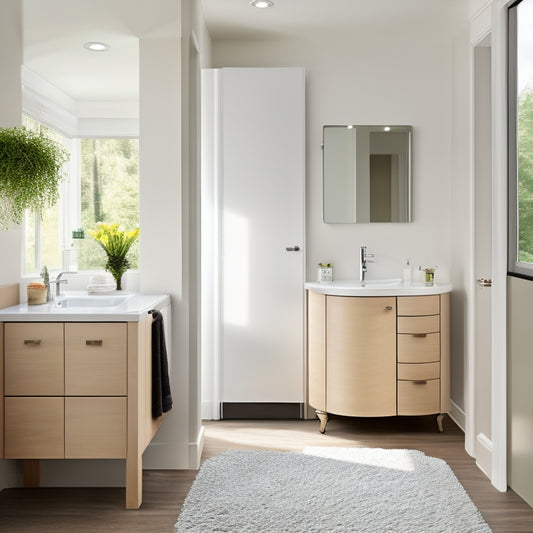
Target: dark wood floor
<point>101,510</point>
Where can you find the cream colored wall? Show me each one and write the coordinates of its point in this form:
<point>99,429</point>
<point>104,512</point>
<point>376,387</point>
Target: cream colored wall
<point>519,382</point>
<point>382,73</point>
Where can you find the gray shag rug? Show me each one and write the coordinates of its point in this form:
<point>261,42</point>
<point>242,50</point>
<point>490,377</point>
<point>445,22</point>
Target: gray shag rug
<point>328,490</point>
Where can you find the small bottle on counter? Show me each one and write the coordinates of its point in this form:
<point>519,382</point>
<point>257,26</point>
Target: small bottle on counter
<point>407,273</point>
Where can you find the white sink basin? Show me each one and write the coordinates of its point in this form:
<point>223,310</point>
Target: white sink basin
<point>375,287</point>
<point>90,301</point>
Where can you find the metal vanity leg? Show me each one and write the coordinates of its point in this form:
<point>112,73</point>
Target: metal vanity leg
<point>323,417</point>
<point>440,418</point>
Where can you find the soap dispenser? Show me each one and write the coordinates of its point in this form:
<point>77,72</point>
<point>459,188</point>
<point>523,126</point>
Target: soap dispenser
<point>407,273</point>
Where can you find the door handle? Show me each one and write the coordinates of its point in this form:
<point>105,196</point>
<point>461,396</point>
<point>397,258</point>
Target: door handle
<point>294,248</point>
<point>485,282</point>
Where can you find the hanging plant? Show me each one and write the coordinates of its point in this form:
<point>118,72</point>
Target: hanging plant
<point>31,169</point>
<point>116,244</point>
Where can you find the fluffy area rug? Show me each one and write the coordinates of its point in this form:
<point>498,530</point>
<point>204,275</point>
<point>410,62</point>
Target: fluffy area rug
<point>328,490</point>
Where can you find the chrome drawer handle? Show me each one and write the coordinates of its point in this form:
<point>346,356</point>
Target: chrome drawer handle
<point>420,382</point>
<point>389,308</point>
<point>420,335</point>
<point>32,341</point>
<point>94,342</point>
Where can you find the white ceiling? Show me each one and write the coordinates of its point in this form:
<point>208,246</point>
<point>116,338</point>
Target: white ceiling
<point>55,31</point>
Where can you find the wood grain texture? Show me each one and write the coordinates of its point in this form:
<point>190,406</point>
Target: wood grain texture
<point>95,428</point>
<point>418,324</point>
<point>95,370</point>
<point>34,428</point>
<point>445,348</point>
<point>34,359</point>
<point>417,349</point>
<point>419,397</point>
<point>316,349</point>
<point>96,510</point>
<point>418,305</point>
<point>361,356</point>
<point>9,296</point>
<point>416,371</point>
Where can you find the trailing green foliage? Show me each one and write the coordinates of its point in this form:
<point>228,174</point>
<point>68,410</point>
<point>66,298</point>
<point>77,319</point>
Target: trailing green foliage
<point>116,244</point>
<point>31,169</point>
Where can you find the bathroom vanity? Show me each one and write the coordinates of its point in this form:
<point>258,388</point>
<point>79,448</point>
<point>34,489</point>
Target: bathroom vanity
<point>378,349</point>
<point>77,382</point>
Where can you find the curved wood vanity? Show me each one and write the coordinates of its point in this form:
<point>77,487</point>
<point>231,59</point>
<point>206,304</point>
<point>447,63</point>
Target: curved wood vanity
<point>374,356</point>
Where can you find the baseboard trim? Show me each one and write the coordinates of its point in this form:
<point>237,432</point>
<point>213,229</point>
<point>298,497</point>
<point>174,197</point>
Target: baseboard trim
<point>484,454</point>
<point>457,415</point>
<point>196,449</point>
<point>261,410</point>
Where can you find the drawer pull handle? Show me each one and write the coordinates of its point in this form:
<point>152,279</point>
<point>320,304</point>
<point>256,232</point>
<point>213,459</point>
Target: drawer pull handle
<point>389,308</point>
<point>420,382</point>
<point>32,341</point>
<point>420,335</point>
<point>94,342</point>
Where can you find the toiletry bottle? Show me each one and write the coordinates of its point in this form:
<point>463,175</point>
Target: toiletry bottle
<point>407,273</point>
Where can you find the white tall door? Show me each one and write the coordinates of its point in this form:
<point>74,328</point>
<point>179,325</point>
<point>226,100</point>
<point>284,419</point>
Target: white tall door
<point>483,259</point>
<point>262,216</point>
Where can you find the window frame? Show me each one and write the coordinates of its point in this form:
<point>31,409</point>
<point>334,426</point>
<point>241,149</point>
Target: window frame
<point>514,266</point>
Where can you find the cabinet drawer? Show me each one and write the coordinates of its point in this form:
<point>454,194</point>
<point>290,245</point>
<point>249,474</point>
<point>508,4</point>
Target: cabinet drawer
<point>419,324</point>
<point>95,428</point>
<point>95,359</point>
<point>418,371</point>
<point>418,348</point>
<point>418,305</point>
<point>419,397</point>
<point>34,359</point>
<point>34,428</point>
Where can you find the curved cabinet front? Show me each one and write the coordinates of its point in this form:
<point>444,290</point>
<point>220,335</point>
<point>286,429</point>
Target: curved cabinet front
<point>378,356</point>
<point>361,356</point>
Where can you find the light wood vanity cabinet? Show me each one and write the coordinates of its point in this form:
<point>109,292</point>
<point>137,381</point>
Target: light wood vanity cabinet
<point>79,391</point>
<point>60,383</point>
<point>378,356</point>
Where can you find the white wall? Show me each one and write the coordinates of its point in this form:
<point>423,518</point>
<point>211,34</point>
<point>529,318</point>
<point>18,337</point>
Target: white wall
<point>10,115</point>
<point>380,74</point>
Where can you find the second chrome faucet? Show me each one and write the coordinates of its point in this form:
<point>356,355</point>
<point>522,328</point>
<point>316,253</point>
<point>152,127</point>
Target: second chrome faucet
<point>363,260</point>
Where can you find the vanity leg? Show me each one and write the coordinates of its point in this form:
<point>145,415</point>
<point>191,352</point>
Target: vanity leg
<point>440,418</point>
<point>134,478</point>
<point>31,472</point>
<point>323,417</point>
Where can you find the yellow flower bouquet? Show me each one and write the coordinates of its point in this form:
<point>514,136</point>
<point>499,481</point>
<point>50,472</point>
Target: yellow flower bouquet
<point>116,244</point>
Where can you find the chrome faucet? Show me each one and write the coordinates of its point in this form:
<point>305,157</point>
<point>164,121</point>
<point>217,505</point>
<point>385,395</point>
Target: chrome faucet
<point>58,281</point>
<point>363,260</point>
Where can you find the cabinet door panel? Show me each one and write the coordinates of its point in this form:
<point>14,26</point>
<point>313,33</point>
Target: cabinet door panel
<point>418,305</point>
<point>34,428</point>
<point>419,324</point>
<point>361,356</point>
<point>418,349</point>
<point>34,359</point>
<point>419,397</point>
<point>316,342</point>
<point>418,371</point>
<point>95,428</point>
<point>95,359</point>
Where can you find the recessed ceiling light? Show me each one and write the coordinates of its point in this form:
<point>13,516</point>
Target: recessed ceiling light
<point>95,46</point>
<point>261,4</point>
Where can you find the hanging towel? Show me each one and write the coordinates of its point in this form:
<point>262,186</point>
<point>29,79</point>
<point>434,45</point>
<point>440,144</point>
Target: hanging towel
<point>161,396</point>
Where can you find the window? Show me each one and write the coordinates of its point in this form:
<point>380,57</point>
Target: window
<point>44,232</point>
<point>520,94</point>
<point>109,184</point>
<point>103,187</point>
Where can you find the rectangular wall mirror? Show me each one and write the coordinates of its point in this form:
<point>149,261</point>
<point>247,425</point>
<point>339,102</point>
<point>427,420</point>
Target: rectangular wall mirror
<point>367,174</point>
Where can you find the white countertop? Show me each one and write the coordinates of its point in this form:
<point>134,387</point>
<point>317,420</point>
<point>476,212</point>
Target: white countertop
<point>133,309</point>
<point>376,288</point>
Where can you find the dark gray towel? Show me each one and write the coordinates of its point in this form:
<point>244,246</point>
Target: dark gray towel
<point>161,396</point>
